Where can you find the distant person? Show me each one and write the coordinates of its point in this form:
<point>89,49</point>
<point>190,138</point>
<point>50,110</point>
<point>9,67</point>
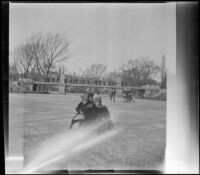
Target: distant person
<point>130,96</point>
<point>112,95</point>
<point>126,93</point>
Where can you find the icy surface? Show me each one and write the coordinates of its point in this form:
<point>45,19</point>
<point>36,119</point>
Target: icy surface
<point>141,143</point>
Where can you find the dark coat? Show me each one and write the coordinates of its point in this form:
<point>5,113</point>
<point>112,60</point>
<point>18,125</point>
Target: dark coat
<point>94,114</point>
<point>103,114</point>
<point>83,107</point>
<point>87,109</point>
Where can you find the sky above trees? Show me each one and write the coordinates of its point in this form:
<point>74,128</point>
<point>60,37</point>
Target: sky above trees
<point>109,34</point>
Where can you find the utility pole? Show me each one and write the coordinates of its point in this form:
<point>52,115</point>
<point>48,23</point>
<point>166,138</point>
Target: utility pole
<point>163,76</point>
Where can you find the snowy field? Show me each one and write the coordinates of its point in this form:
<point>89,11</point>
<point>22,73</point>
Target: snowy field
<point>141,143</point>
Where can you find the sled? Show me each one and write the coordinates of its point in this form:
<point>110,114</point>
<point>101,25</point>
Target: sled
<point>82,123</point>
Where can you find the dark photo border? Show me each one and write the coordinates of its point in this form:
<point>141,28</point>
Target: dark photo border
<point>187,52</point>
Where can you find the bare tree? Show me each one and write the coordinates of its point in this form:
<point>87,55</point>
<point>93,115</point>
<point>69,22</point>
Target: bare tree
<point>40,54</point>
<point>95,71</point>
<point>24,60</point>
<point>13,70</point>
<point>140,71</point>
<point>47,50</point>
<point>113,75</point>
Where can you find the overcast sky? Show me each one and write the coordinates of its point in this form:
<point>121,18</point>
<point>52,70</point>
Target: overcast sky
<point>99,33</point>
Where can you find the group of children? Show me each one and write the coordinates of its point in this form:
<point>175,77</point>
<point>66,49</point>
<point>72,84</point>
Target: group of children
<point>93,111</point>
<point>128,95</point>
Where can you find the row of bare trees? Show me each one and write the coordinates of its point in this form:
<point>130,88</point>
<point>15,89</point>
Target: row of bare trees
<point>39,55</point>
<point>140,72</point>
<point>95,71</point>
<point>136,72</point>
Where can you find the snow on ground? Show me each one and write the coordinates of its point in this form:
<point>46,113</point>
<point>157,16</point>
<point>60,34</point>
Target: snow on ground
<point>141,144</point>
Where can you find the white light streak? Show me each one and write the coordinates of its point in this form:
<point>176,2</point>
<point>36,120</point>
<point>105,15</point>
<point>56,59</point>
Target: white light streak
<point>64,146</point>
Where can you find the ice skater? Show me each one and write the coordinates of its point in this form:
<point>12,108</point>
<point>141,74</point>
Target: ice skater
<point>113,94</point>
